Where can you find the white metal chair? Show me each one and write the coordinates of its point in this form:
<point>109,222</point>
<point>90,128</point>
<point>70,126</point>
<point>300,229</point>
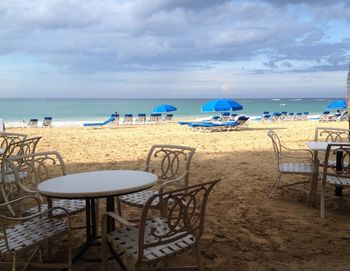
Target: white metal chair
<point>21,234</point>
<point>337,175</point>
<point>8,138</point>
<point>154,240</point>
<point>7,180</point>
<point>37,168</point>
<point>291,161</point>
<point>330,134</point>
<point>171,164</point>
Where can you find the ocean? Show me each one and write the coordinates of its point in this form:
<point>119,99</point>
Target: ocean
<point>16,112</point>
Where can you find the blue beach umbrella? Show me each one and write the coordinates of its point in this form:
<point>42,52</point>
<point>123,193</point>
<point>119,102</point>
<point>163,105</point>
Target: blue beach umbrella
<point>164,108</point>
<point>221,105</point>
<point>337,104</point>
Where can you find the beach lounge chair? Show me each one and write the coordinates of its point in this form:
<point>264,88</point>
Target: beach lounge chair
<point>47,122</point>
<point>276,116</point>
<point>324,116</point>
<point>339,116</point>
<point>305,116</point>
<point>116,121</point>
<point>33,123</point>
<point>169,117</point>
<point>128,119</point>
<point>291,161</point>
<point>207,126</point>
<point>298,116</point>
<point>141,118</point>
<point>172,165</point>
<point>265,118</point>
<point>28,235</point>
<point>100,124</point>
<point>157,238</point>
<point>290,116</point>
<point>233,117</point>
<point>155,118</point>
<point>225,116</point>
<point>337,176</point>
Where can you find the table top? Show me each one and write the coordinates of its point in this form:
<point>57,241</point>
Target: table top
<point>97,184</point>
<point>321,145</point>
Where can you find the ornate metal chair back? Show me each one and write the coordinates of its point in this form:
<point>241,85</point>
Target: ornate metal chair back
<point>185,216</point>
<point>38,167</point>
<point>332,134</point>
<point>276,143</point>
<point>7,139</point>
<point>341,154</point>
<point>170,162</point>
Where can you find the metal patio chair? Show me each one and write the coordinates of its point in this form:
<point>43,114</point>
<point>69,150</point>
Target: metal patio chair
<point>291,161</point>
<point>154,240</point>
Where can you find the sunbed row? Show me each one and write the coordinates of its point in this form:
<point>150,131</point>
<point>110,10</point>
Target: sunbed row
<point>339,116</point>
<point>279,116</point>
<point>129,119</point>
<point>222,126</point>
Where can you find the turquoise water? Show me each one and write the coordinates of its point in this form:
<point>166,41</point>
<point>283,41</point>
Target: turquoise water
<point>14,110</point>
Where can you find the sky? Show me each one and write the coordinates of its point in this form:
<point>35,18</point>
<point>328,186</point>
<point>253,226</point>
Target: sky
<point>173,48</point>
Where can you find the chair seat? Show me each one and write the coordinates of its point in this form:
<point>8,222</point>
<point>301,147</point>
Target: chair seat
<point>334,180</point>
<point>296,168</point>
<point>73,206</point>
<point>125,240</point>
<point>31,232</point>
<point>140,198</point>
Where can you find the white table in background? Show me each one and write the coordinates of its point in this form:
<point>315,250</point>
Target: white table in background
<point>315,147</point>
<point>94,185</point>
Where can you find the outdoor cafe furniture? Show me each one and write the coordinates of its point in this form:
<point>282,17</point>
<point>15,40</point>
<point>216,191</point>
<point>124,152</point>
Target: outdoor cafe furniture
<point>338,175</point>
<point>291,161</point>
<point>94,185</point>
<point>32,233</point>
<point>171,163</point>
<point>8,182</point>
<point>154,240</point>
<point>32,169</point>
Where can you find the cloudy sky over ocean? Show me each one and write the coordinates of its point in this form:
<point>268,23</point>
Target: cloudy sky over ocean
<point>165,48</point>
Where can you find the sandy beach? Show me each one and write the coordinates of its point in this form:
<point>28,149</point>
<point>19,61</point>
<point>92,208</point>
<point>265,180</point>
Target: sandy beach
<point>243,229</point>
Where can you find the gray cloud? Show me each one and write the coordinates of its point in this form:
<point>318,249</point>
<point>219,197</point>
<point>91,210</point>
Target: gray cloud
<point>94,36</point>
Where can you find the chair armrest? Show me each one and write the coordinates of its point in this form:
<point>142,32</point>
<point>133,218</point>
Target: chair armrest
<point>116,217</point>
<point>37,199</point>
<point>23,218</point>
<point>306,151</point>
<point>172,182</point>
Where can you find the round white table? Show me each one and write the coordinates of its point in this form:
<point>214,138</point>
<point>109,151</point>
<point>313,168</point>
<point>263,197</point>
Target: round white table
<point>93,185</point>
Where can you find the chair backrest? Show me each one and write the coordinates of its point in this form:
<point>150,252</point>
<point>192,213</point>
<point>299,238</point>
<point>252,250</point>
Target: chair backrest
<point>242,120</point>
<point>276,143</point>
<point>341,154</point>
<point>330,134</point>
<point>155,117</point>
<point>170,162</point>
<point>141,117</point>
<point>169,117</point>
<point>38,167</point>
<point>33,123</point>
<point>185,216</point>
<point>128,119</point>
<point>8,138</point>
<point>47,122</point>
<point>23,147</point>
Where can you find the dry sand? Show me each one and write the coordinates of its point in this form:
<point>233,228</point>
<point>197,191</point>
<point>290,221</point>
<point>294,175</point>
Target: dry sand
<point>243,229</point>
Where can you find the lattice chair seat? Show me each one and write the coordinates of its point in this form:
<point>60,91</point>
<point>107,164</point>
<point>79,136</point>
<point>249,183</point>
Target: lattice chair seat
<point>339,181</point>
<point>31,232</point>
<point>296,168</point>
<point>125,240</point>
<point>139,198</point>
<point>291,161</point>
<point>73,206</point>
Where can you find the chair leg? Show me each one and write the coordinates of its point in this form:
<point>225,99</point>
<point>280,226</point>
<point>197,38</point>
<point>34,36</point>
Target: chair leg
<point>275,184</point>
<point>322,203</point>
<point>14,262</point>
<point>198,258</point>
